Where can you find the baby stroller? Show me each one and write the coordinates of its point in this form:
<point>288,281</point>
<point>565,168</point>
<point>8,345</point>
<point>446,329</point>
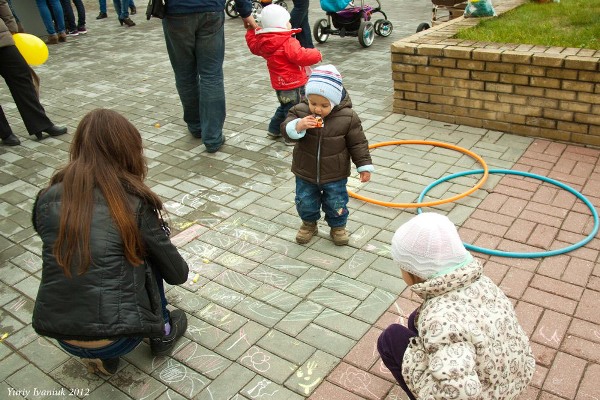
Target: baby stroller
<point>442,11</point>
<point>351,20</point>
<point>257,6</point>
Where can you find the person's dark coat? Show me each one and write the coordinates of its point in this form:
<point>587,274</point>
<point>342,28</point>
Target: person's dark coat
<point>8,25</point>
<point>323,155</point>
<point>113,298</point>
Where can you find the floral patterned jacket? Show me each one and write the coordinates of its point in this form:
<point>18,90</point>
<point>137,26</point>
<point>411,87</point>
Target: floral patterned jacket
<point>470,345</point>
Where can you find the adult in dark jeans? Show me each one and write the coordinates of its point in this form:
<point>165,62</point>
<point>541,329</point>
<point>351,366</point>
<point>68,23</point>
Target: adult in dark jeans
<point>73,28</point>
<point>299,19</point>
<point>195,41</point>
<point>17,74</point>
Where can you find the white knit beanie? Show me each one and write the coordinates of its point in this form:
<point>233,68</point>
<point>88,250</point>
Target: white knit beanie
<point>274,16</point>
<point>326,81</point>
<point>428,245</point>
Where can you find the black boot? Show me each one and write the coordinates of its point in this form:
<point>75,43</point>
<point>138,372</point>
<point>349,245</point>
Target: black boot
<point>54,130</point>
<point>11,140</point>
<point>163,346</point>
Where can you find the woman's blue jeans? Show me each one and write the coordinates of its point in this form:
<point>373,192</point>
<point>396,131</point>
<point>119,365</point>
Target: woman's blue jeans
<point>102,4</point>
<point>121,8</point>
<point>299,19</point>
<point>47,16</point>
<point>121,346</point>
<point>332,197</point>
<point>196,47</point>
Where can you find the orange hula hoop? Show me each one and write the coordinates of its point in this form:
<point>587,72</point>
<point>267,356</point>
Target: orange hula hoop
<point>427,203</point>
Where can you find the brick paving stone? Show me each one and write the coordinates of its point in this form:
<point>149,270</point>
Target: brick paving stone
<point>588,389</point>
<point>201,359</point>
<point>286,346</point>
<point>299,318</point>
<point>227,384</point>
<point>564,375</point>
<point>342,324</point>
<point>327,391</point>
<point>181,379</point>
<point>267,364</point>
<point>326,340</point>
<point>309,375</point>
<point>551,329</point>
<point>364,354</point>
<point>360,382</point>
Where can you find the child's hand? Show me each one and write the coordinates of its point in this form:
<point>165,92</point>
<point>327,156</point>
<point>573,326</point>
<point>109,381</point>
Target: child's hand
<point>305,123</point>
<point>365,176</point>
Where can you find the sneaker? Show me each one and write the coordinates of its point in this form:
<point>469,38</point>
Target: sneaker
<point>102,16</point>
<point>273,136</point>
<point>288,142</point>
<point>74,32</point>
<point>339,236</point>
<point>108,366</point>
<point>82,30</point>
<point>306,232</point>
<point>163,346</point>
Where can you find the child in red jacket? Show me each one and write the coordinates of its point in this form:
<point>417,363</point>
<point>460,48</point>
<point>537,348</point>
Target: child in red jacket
<point>286,61</point>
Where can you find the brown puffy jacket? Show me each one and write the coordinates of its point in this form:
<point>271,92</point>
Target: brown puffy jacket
<point>8,24</point>
<point>323,155</point>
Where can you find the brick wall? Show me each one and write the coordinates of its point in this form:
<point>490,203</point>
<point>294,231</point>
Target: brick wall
<point>539,91</point>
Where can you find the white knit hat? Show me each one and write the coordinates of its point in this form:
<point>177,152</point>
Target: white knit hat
<point>326,81</point>
<point>274,16</point>
<point>428,245</point>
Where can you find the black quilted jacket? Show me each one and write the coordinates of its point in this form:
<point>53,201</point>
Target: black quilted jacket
<point>113,298</point>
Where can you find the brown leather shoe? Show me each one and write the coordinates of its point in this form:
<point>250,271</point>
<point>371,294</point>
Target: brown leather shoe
<point>62,37</point>
<point>306,232</point>
<point>339,236</point>
<point>52,39</point>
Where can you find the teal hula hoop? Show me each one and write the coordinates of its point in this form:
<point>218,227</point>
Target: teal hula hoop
<point>528,175</point>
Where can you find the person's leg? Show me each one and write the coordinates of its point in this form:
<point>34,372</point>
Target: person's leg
<point>175,323</point>
<point>59,16</point>
<point>71,26</point>
<point>335,202</point>
<point>308,206</point>
<point>102,5</point>
<point>179,37</point>
<point>16,73</point>
<point>210,54</point>
<point>80,14</point>
<point>5,129</point>
<point>392,345</point>
<point>287,99</point>
<point>46,16</point>
<point>299,19</point>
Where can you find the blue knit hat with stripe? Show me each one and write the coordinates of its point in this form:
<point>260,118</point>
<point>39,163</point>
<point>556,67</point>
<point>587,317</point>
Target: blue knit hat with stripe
<point>326,81</point>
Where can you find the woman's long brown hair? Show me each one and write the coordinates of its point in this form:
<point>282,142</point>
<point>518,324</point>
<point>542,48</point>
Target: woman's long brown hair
<point>107,154</point>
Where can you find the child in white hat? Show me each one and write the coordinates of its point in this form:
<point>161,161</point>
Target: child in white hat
<point>329,135</point>
<point>464,341</point>
<point>286,60</point>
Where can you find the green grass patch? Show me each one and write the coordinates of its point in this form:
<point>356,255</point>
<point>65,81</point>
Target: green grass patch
<point>570,23</point>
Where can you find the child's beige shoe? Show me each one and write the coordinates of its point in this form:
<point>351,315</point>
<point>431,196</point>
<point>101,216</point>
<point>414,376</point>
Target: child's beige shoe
<point>306,232</point>
<point>339,236</point>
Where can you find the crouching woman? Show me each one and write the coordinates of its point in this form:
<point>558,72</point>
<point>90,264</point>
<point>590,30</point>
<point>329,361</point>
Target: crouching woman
<point>106,250</point>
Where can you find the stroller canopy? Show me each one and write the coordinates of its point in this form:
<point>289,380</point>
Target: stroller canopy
<point>334,5</point>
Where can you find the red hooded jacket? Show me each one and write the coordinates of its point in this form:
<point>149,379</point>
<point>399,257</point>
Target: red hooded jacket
<point>285,57</point>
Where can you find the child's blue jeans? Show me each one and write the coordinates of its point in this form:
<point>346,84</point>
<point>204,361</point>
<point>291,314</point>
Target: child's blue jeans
<point>332,197</point>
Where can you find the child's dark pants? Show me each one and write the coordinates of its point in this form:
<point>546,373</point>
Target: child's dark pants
<point>392,345</point>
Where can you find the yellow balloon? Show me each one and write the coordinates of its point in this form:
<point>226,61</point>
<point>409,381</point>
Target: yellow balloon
<point>32,48</point>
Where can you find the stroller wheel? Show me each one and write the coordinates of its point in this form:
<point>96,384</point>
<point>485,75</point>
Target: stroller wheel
<point>282,4</point>
<point>423,26</point>
<point>256,10</point>
<point>383,27</point>
<point>366,33</point>
<point>230,9</point>
<point>321,30</point>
